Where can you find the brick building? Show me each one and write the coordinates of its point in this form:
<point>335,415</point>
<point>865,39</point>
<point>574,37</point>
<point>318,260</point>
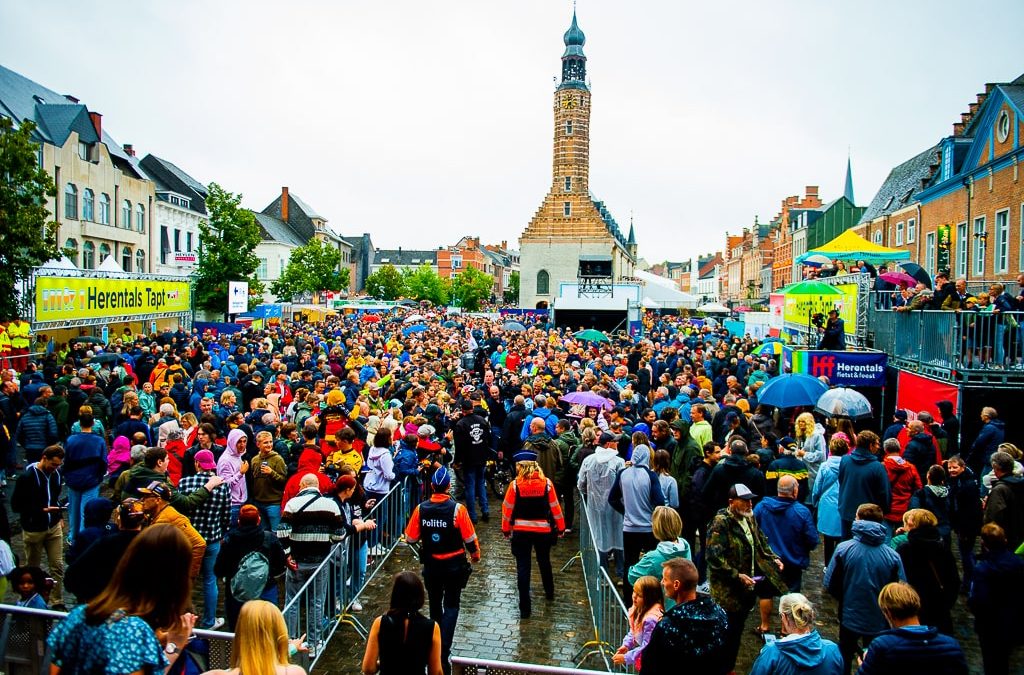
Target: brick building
<point>782,235</point>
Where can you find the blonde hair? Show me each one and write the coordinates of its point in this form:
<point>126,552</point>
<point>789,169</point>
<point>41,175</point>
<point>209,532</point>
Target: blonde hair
<point>189,419</point>
<point>899,600</point>
<point>261,639</point>
<point>915,518</point>
<point>804,425</point>
<point>798,609</point>
<point>666,523</point>
<point>528,469</point>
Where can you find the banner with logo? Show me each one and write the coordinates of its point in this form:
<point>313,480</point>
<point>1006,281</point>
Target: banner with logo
<point>72,298</point>
<point>238,297</point>
<point>915,393</point>
<point>847,368</point>
<point>944,244</point>
<point>797,309</point>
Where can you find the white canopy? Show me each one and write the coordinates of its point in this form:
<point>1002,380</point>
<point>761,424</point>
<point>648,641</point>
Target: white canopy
<point>659,292</point>
<point>713,308</point>
<point>109,264</point>
<point>61,263</point>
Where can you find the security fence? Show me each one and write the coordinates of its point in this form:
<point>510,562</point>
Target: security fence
<point>468,666</point>
<point>606,607</point>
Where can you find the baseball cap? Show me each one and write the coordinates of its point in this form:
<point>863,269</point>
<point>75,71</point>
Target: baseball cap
<point>158,489</point>
<point>900,414</point>
<point>425,431</point>
<point>130,512</point>
<point>205,460</point>
<point>788,443</point>
<point>607,437</point>
<point>740,491</point>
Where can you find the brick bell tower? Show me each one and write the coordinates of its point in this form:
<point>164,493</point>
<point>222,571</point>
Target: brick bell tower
<point>570,222</point>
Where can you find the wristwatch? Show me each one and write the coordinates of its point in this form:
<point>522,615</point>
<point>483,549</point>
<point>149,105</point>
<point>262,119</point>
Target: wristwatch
<point>171,648</point>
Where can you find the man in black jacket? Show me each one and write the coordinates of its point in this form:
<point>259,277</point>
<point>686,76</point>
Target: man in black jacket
<point>36,501</point>
<point>733,468</point>
<point>472,440</point>
<point>514,426</point>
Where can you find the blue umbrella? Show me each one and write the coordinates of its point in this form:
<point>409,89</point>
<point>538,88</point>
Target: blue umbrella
<point>844,402</point>
<point>792,390</point>
<point>418,328</point>
<point>448,324</point>
<point>514,326</point>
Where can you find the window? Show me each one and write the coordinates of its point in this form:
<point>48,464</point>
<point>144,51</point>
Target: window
<point>88,256</point>
<point>568,183</point>
<point>104,209</point>
<point>456,262</point>
<point>177,241</point>
<point>126,215</point>
<point>568,127</point>
<point>281,266</point>
<point>83,151</point>
<point>961,250</point>
<point>140,218</point>
<point>104,252</point>
<point>878,237</point>
<point>979,246</point>
<point>88,205</point>
<point>543,281</point>
<point>911,230</point>
<point>165,246</point>
<point>71,250</point>
<point>929,253</point>
<point>899,233</point>
<point>188,242</point>
<point>567,209</point>
<point>140,261</point>
<point>126,259</point>
<point>1002,251</point>
<point>71,201</point>
<point>261,271</point>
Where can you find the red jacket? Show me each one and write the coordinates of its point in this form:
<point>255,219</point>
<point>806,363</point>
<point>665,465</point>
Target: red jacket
<point>903,482</point>
<point>310,461</point>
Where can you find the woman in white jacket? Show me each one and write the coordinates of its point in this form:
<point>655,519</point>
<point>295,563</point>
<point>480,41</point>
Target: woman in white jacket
<point>596,477</point>
<point>811,437</point>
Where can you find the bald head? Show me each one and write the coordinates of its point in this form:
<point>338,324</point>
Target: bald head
<point>536,425</point>
<point>787,486</point>
<point>309,480</point>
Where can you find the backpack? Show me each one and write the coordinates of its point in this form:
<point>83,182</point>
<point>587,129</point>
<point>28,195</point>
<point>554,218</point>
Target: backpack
<point>251,577</point>
<point>194,658</point>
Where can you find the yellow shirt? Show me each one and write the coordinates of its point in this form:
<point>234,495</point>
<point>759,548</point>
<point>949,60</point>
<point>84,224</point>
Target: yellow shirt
<point>350,457</point>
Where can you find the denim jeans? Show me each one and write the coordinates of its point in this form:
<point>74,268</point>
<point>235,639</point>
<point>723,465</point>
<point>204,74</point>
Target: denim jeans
<point>270,515</point>
<point>476,490</point>
<point>312,606</point>
<point>232,607</point>
<point>209,581</point>
<point>77,499</point>
<point>235,508</point>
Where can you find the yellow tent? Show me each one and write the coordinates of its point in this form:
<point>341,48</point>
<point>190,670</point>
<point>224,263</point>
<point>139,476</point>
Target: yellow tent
<point>851,246</point>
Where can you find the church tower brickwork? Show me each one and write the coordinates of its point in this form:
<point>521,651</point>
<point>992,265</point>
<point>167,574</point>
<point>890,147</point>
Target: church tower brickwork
<point>570,222</point>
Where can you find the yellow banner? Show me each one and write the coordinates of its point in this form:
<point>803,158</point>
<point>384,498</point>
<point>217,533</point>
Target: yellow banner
<point>796,307</point>
<point>67,298</point>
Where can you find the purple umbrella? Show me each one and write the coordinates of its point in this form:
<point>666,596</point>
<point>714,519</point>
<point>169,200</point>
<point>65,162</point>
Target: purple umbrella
<point>899,278</point>
<point>588,398</point>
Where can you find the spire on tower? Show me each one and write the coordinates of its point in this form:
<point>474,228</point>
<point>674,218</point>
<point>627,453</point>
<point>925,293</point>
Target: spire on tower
<point>574,62</point>
<point>848,189</point>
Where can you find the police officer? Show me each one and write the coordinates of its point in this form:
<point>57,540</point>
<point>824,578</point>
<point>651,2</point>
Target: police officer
<point>446,532</point>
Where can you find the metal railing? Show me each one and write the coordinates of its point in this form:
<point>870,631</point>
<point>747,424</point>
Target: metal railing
<point>607,610</point>
<point>469,666</point>
<point>23,633</point>
<point>323,603</point>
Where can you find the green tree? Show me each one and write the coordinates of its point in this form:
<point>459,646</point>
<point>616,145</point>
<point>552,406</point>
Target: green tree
<point>311,268</point>
<point>471,287</point>
<point>386,283</point>
<point>227,241</point>
<point>28,238</point>
<point>511,295</point>
<point>423,283</point>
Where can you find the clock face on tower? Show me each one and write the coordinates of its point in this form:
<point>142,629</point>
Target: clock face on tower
<point>568,102</point>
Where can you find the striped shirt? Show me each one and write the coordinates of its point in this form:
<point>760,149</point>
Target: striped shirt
<point>310,526</point>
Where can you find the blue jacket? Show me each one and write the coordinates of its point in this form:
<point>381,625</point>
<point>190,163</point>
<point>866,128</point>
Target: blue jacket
<point>550,420</point>
<point>790,529</point>
<point>987,442</point>
<point>825,496</point>
<point>997,594</point>
<point>808,654</point>
<point>862,480</point>
<point>636,491</point>
<point>859,569</point>
<point>36,428</point>
<point>914,649</point>
<point>85,461</point>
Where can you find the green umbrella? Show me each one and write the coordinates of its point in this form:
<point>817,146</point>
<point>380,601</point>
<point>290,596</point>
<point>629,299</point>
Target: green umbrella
<point>812,288</point>
<point>591,335</point>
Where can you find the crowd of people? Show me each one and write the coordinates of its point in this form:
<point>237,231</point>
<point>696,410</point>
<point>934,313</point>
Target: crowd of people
<point>247,457</point>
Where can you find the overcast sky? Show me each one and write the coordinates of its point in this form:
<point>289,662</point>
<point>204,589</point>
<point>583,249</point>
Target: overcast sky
<point>420,122</point>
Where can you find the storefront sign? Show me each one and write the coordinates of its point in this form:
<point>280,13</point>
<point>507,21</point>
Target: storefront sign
<point>799,309</point>
<point>72,298</point>
<point>848,369</point>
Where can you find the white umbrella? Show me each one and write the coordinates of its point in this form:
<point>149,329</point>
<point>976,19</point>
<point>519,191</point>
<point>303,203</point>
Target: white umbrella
<point>713,308</point>
<point>414,318</point>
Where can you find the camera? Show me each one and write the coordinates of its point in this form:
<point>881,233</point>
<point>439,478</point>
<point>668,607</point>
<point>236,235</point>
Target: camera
<point>818,320</point>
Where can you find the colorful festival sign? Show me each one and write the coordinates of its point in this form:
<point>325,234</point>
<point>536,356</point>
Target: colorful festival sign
<point>72,298</point>
<point>844,368</point>
<point>798,309</point>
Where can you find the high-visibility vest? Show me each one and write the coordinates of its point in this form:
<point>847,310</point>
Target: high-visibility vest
<point>5,342</point>
<point>19,334</point>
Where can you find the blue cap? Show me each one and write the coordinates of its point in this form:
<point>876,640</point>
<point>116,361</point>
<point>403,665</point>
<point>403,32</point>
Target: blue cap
<point>442,477</point>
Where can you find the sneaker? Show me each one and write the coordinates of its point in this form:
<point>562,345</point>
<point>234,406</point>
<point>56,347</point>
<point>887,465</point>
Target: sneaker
<point>568,530</point>
<point>378,550</point>
<point>704,587</point>
<point>355,606</point>
<point>217,623</point>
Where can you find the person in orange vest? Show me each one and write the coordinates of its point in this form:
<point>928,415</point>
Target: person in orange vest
<point>532,519</point>
<point>21,337</point>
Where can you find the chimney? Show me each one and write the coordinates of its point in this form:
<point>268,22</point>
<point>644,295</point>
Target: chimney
<point>97,123</point>
<point>504,244</point>
<point>129,150</point>
<point>284,204</point>
<point>811,191</point>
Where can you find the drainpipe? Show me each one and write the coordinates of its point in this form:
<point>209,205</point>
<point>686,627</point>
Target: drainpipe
<point>969,192</point>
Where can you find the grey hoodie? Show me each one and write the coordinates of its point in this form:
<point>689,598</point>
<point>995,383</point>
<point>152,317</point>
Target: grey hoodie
<point>636,492</point>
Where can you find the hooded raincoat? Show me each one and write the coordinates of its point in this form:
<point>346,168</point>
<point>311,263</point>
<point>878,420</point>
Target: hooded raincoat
<point>597,475</point>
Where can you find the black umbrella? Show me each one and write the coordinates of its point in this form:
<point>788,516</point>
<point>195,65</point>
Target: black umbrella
<point>89,339</point>
<point>918,272</point>
<point>108,357</point>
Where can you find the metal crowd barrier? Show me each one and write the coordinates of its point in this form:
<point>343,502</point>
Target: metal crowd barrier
<point>324,602</point>
<point>469,666</point>
<point>23,648</point>
<point>607,610</point>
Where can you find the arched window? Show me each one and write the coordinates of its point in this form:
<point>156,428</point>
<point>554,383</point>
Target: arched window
<point>104,252</point>
<point>88,256</point>
<point>88,205</point>
<point>140,261</point>
<point>71,201</point>
<point>126,259</point>
<point>104,209</point>
<point>543,281</point>
<point>140,218</point>
<point>126,215</point>
<point>71,250</point>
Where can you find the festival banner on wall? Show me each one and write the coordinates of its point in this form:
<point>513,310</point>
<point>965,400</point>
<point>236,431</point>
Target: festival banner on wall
<point>915,393</point>
<point>71,298</point>
<point>843,368</point>
<point>798,309</point>
<point>944,245</point>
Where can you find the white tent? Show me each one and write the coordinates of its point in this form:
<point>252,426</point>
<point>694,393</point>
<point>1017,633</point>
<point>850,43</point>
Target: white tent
<point>661,293</point>
<point>61,263</point>
<point>110,265</point>
<point>713,308</point>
